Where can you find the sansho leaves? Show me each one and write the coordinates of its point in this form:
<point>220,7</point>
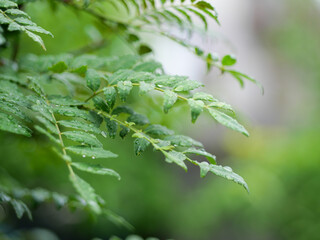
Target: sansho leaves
<point>225,172</point>
<point>92,152</point>
<point>67,97</point>
<point>228,121</point>
<point>86,192</point>
<point>83,138</point>
<point>95,169</point>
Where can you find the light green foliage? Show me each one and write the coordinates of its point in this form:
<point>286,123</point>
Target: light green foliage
<point>83,138</point>
<point>92,152</point>
<point>228,121</point>
<point>169,98</point>
<point>96,169</point>
<point>80,101</point>
<point>196,107</point>
<point>86,191</point>
<point>177,158</point>
<point>17,20</point>
<point>93,79</point>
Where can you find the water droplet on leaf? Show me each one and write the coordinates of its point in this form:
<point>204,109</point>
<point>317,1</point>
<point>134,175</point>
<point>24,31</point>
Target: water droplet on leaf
<point>103,133</point>
<point>229,169</point>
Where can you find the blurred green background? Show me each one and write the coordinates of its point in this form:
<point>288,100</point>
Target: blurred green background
<point>279,43</point>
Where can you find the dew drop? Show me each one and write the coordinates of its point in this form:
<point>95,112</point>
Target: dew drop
<point>229,169</point>
<point>103,133</point>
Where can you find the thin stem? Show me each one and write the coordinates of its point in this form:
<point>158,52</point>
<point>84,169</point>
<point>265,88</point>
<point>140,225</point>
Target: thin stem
<point>135,130</point>
<point>125,124</point>
<point>61,141</point>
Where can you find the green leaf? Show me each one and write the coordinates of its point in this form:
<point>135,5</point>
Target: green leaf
<point>13,109</point>
<point>196,107</point>
<point>204,5</point>
<point>24,21</point>
<point>118,220</point>
<point>20,208</point>
<point>38,29</point>
<point>40,195</point>
<point>145,87</point>
<point>83,138</point>
<point>132,38</point>
<point>124,88</point>
<point>169,81</point>
<point>227,121</point>
<point>241,76</point>
<point>96,169</point>
<point>92,152</point>
<point>36,38</point>
<point>169,99</point>
<point>44,110</point>
<point>183,141</point>
<point>124,131</point>
<point>122,109</point>
<point>4,19</point>
<point>229,60</point>
<point>86,192</point>
<point>144,49</point>
<point>59,67</point>
<point>46,133</point>
<point>226,172</point>
<point>87,127</point>
<point>95,118</point>
<point>120,76</point>
<point>7,4</point>
<point>187,85</point>
<point>80,70</point>
<point>221,105</point>
<point>13,26</point>
<point>140,145</point>
<point>49,125</point>
<point>158,130</point>
<point>72,112</point>
<point>16,12</point>
<point>177,158</point>
<point>64,100</point>
<point>100,104</point>
<point>201,16</point>
<point>204,168</point>
<point>137,77</point>
<point>110,94</point>
<point>201,152</point>
<point>10,124</point>
<point>112,127</point>
<point>59,200</point>
<point>163,145</point>
<point>138,119</point>
<point>93,79</point>
<point>203,96</point>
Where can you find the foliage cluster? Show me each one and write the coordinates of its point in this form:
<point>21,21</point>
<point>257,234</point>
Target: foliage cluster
<point>79,100</point>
